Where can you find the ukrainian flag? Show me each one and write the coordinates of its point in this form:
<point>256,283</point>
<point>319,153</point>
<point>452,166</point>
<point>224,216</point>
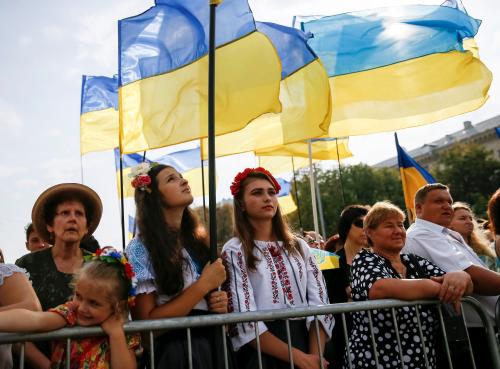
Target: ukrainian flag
<point>131,227</point>
<point>304,95</point>
<point>325,259</point>
<point>399,67</point>
<point>413,176</point>
<point>186,162</point>
<point>98,114</point>
<point>322,149</point>
<point>285,198</point>
<point>163,71</point>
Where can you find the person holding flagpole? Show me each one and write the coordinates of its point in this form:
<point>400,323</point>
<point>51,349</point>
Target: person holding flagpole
<point>270,268</point>
<point>170,257</point>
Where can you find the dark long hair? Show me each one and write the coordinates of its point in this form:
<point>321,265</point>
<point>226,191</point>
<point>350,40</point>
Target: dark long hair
<point>244,230</point>
<point>165,244</point>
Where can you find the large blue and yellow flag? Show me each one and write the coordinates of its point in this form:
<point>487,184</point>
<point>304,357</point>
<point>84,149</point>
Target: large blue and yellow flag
<point>398,67</point>
<point>413,176</point>
<point>304,95</point>
<point>186,162</point>
<point>98,114</point>
<point>285,198</point>
<point>163,73</point>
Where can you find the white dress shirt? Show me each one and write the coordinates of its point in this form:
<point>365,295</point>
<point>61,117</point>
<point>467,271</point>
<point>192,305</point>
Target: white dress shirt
<point>448,250</point>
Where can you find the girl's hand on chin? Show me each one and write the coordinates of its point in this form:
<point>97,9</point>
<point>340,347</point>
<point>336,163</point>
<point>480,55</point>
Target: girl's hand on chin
<point>113,325</point>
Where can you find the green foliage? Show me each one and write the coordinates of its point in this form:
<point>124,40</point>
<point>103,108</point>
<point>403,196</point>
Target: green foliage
<point>224,215</point>
<point>472,174</point>
<point>362,184</point>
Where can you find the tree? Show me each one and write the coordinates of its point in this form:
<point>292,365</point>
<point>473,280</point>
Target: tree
<point>362,185</point>
<point>471,173</point>
<point>224,215</point>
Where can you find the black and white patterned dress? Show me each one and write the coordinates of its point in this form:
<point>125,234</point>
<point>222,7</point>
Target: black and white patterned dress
<point>367,268</point>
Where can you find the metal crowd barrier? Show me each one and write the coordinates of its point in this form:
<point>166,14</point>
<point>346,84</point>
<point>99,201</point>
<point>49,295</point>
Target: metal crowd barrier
<point>222,320</point>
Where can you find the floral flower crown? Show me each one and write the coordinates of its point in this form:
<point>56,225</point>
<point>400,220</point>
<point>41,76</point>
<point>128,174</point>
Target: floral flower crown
<point>241,176</point>
<point>141,178</point>
<point>109,254</point>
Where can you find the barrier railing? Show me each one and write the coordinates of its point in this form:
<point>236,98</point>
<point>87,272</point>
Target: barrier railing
<point>151,326</point>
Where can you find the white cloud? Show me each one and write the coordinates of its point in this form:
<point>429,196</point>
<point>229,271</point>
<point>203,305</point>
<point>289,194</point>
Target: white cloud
<point>53,33</point>
<point>61,169</point>
<point>28,184</point>
<point>25,41</point>
<point>10,120</point>
<point>8,171</point>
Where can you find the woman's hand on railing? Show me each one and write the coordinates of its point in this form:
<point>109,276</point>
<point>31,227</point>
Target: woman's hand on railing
<point>217,302</point>
<point>307,361</point>
<point>454,285</point>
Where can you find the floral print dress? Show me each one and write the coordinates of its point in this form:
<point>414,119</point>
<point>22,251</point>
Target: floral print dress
<point>86,353</point>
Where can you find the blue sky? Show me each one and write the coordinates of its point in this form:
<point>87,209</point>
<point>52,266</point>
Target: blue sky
<point>47,46</point>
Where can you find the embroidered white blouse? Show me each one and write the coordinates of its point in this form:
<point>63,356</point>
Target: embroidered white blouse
<point>138,257</point>
<point>280,280</point>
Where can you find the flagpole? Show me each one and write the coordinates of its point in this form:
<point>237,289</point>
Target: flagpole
<point>211,131</point>
<point>296,195</point>
<point>122,202</point>
<point>340,172</point>
<point>313,191</point>
<point>81,168</point>
<point>203,188</point>
<point>320,207</point>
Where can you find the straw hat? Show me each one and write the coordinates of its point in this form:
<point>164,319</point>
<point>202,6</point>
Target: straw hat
<point>89,198</point>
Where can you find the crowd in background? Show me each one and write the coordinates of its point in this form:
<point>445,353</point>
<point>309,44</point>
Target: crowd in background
<point>67,279</point>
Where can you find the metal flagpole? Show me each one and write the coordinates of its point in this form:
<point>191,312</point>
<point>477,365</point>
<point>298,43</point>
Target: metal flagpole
<point>340,172</point>
<point>320,207</point>
<point>203,188</point>
<point>296,195</point>
<point>122,202</point>
<point>211,131</point>
<point>313,191</point>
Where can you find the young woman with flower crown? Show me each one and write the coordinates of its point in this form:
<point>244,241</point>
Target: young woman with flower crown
<point>170,256</point>
<point>270,268</point>
<point>103,288</point>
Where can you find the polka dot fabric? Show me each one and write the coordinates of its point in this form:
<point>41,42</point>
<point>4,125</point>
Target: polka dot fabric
<point>367,268</point>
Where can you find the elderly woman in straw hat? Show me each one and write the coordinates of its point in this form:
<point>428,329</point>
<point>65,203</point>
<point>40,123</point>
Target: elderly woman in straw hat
<point>384,272</point>
<point>63,216</point>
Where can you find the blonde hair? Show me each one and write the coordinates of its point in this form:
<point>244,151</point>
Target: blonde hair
<point>477,240</point>
<point>112,274</point>
<point>379,212</point>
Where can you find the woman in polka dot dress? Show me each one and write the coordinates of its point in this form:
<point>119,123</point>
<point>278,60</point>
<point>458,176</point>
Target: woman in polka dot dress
<point>386,273</point>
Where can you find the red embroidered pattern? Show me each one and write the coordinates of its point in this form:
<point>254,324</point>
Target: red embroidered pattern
<point>299,266</point>
<point>315,272</point>
<point>226,286</point>
<point>282,272</point>
<point>272,271</point>
<point>244,281</point>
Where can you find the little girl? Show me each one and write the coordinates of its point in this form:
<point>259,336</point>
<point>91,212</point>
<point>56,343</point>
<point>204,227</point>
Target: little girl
<point>270,268</point>
<point>102,290</point>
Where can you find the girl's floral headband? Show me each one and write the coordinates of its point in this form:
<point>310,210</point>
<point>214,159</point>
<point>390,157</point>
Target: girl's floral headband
<point>241,176</point>
<point>108,254</point>
<point>141,178</point>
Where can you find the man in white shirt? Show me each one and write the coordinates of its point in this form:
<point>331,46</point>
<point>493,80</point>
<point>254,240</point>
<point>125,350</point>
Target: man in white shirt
<point>430,238</point>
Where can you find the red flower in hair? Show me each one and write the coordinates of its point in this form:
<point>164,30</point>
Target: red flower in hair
<point>241,176</point>
<point>141,181</point>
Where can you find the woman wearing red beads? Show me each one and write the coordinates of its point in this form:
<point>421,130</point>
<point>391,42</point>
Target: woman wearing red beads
<point>270,268</point>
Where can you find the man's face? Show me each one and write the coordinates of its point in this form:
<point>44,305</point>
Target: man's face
<point>436,208</point>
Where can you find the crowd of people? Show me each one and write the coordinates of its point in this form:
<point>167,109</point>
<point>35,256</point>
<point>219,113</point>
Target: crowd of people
<point>66,279</point>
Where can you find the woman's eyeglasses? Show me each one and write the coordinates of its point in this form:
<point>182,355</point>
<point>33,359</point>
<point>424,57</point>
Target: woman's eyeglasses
<point>358,222</point>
